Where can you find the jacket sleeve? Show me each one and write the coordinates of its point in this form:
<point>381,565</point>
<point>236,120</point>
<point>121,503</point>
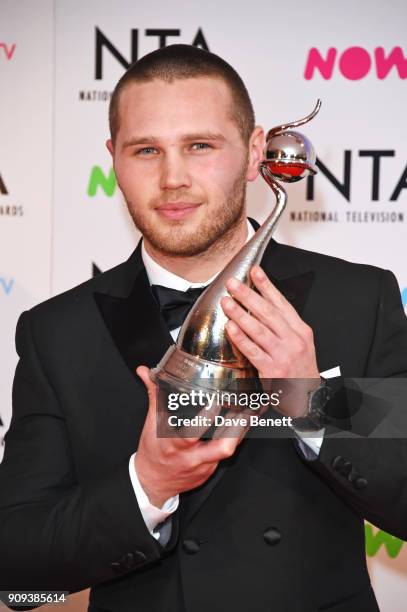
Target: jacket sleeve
<point>56,533</point>
<point>369,469</point>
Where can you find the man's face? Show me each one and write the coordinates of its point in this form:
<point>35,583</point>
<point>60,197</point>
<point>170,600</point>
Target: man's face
<point>181,163</point>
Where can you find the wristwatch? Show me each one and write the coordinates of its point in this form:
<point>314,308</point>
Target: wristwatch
<point>316,417</point>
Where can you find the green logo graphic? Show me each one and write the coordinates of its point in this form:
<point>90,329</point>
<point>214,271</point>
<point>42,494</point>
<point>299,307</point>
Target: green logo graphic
<point>99,179</point>
<point>374,541</point>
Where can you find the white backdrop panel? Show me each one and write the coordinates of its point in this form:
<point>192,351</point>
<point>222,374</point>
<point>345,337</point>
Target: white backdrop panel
<point>26,64</point>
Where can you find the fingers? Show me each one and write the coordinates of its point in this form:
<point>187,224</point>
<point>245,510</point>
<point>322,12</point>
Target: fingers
<point>265,313</point>
<point>216,450</point>
<point>270,293</point>
<point>258,357</point>
<point>235,431</point>
<point>265,327</point>
<point>261,333</point>
<point>189,438</point>
<point>270,307</point>
<point>206,420</point>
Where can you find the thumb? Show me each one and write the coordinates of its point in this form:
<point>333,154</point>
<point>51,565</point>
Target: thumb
<point>144,373</point>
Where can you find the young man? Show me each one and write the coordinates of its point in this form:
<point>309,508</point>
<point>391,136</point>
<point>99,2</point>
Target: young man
<point>170,525</point>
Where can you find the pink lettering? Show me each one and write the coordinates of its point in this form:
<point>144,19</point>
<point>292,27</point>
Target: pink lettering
<point>315,61</point>
<point>355,63</point>
<point>385,64</point>
<point>8,51</point>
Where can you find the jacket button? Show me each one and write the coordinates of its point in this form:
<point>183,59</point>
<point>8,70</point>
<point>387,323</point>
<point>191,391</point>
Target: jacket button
<point>131,559</point>
<point>338,462</point>
<point>191,546</point>
<point>128,561</point>
<point>346,468</point>
<point>360,483</point>
<point>353,475</point>
<point>272,536</point>
<point>139,557</point>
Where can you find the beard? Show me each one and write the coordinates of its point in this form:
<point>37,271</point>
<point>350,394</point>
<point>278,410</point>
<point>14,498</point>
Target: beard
<point>215,231</point>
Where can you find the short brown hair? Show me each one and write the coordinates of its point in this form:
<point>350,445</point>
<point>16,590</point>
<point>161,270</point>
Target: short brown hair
<point>185,62</point>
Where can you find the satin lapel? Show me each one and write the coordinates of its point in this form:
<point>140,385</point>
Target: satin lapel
<point>135,323</point>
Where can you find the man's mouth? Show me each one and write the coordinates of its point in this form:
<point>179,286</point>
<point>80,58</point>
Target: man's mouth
<point>177,210</point>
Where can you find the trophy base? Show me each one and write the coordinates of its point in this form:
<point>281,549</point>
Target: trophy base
<point>180,370</point>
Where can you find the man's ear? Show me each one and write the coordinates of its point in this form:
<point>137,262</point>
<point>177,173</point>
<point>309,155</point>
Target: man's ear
<point>256,147</point>
<point>109,145</point>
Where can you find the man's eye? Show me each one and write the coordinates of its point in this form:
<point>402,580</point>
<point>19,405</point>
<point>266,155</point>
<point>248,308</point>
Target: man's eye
<point>200,146</point>
<point>146,151</point>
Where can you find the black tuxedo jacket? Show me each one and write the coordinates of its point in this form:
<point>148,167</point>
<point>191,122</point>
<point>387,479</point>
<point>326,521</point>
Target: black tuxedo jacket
<point>270,531</point>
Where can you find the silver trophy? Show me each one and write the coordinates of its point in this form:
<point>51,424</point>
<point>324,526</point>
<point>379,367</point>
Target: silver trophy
<point>203,357</point>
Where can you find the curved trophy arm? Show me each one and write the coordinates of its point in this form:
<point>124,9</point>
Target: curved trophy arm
<point>294,124</point>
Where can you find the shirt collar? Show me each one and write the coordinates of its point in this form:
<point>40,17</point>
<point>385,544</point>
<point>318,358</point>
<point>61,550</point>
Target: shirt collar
<point>157,275</point>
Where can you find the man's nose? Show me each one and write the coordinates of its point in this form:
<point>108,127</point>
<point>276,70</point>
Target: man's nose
<point>174,171</point>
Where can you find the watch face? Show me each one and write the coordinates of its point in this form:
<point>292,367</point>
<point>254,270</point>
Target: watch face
<point>320,398</point>
<point>316,418</point>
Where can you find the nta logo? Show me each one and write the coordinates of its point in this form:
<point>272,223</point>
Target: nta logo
<point>161,34</point>
<point>355,63</point>
<point>344,185</point>
<point>7,50</point>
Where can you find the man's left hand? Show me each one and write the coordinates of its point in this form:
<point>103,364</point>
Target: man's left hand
<point>271,335</point>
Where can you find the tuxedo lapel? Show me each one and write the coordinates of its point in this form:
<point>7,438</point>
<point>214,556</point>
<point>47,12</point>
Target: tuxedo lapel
<point>134,321</point>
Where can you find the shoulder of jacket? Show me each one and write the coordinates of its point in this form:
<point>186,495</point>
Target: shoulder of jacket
<point>330,264</point>
<point>70,298</point>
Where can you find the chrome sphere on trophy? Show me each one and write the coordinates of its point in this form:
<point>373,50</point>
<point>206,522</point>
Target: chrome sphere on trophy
<point>203,356</point>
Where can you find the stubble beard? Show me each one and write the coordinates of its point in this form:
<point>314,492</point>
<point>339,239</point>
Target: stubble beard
<point>215,233</point>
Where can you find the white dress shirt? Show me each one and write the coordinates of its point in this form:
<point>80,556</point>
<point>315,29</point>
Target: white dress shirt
<point>153,516</point>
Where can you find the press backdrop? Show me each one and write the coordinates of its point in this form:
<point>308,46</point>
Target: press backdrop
<point>62,218</point>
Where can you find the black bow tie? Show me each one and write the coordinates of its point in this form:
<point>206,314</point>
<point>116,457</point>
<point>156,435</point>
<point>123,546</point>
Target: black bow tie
<point>175,304</point>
